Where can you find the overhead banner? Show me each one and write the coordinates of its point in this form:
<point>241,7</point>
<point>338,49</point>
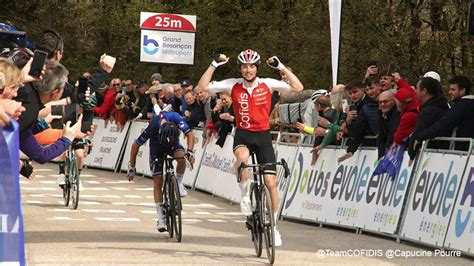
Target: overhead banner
<point>335,15</point>
<point>432,197</point>
<point>108,143</point>
<point>346,193</point>
<point>12,244</point>
<point>142,165</point>
<point>461,228</point>
<point>167,38</point>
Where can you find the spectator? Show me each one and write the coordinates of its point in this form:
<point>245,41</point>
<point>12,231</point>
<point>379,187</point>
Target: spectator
<point>11,79</point>
<point>224,113</point>
<point>46,90</point>
<point>156,79</point>
<point>433,106</point>
<point>187,86</point>
<point>106,99</point>
<point>139,110</point>
<point>388,121</point>
<point>408,106</point>
<point>459,118</point>
<point>432,74</point>
<point>204,101</point>
<point>365,123</point>
<point>387,82</point>
<point>330,134</point>
<point>355,89</point>
<point>195,113</point>
<point>177,99</point>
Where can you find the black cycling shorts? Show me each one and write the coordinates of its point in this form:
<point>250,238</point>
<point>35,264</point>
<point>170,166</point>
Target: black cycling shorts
<point>260,143</point>
<point>158,156</point>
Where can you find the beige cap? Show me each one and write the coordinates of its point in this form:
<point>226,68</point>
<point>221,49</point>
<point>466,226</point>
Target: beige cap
<point>154,89</point>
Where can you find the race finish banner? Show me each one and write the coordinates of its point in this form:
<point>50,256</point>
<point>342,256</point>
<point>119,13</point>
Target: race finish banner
<point>167,38</point>
<point>12,246</point>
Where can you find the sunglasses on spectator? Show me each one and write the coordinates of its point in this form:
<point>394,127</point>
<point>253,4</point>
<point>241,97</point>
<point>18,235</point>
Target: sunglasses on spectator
<point>116,84</point>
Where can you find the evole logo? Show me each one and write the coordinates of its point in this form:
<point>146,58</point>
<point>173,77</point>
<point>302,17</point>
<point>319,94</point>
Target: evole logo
<point>150,46</point>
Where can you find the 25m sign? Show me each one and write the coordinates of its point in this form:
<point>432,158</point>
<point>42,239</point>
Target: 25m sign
<point>171,22</point>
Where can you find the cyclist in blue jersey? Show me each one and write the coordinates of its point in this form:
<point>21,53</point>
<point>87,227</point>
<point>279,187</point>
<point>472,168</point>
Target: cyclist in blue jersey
<point>163,132</point>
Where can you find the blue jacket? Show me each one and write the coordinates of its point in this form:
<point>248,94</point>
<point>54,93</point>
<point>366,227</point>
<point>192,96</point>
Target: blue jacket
<point>460,116</point>
<point>366,124</point>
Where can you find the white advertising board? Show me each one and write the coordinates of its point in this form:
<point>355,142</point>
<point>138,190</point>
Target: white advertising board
<point>217,172</point>
<point>143,157</point>
<point>190,176</point>
<point>432,198</point>
<point>288,153</point>
<point>461,228</point>
<point>108,143</point>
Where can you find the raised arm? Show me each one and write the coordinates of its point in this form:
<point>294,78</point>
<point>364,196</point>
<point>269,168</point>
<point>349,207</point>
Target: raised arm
<point>207,76</point>
<point>294,82</point>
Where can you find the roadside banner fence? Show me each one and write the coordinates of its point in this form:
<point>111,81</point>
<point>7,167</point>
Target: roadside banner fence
<point>431,204</point>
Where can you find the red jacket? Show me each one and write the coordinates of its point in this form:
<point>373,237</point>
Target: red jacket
<point>409,116</point>
<point>107,105</point>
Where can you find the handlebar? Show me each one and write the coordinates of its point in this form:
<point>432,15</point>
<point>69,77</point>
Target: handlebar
<point>282,162</point>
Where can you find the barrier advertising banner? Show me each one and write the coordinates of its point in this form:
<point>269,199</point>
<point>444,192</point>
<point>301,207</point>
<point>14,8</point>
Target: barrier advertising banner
<point>288,153</point>
<point>346,193</point>
<point>432,197</point>
<point>190,176</point>
<point>12,244</point>
<point>217,172</point>
<point>107,145</point>
<point>461,228</point>
<point>142,165</point>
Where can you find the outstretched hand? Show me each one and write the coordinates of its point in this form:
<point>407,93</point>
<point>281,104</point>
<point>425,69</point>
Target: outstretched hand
<point>219,60</point>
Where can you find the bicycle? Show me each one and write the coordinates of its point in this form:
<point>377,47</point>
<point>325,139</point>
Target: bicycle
<point>72,179</point>
<point>172,201</point>
<point>261,221</point>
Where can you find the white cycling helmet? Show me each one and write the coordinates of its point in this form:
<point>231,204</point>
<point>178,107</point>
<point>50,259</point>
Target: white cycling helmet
<point>318,94</point>
<point>248,57</point>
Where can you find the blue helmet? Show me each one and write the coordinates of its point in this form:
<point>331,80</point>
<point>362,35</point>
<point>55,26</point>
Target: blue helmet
<point>169,133</point>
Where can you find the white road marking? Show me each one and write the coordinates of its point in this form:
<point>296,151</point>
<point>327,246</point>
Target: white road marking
<point>91,182</point>
<point>89,202</point>
<point>232,213</point>
<point>110,196</point>
<point>34,202</point>
<point>39,188</point>
<point>147,204</point>
<point>144,189</point>
<point>190,221</point>
<point>109,219</point>
<point>43,170</point>
<point>202,205</point>
<point>39,176</point>
<point>132,196</point>
<point>202,213</point>
<point>48,182</point>
<point>117,182</point>
<point>62,210</point>
<point>87,175</point>
<point>120,188</point>
<point>65,219</point>
<point>147,212</point>
<point>46,195</point>
<point>216,220</point>
<point>103,211</point>
<point>24,182</point>
<point>95,188</point>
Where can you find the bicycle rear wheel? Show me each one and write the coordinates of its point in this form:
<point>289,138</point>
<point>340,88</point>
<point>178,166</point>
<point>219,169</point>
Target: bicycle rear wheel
<point>255,223</point>
<point>176,209</point>
<point>74,184</point>
<point>67,186</point>
<point>268,223</point>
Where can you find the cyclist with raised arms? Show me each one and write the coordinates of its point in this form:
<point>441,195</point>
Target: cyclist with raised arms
<point>163,132</point>
<point>252,103</point>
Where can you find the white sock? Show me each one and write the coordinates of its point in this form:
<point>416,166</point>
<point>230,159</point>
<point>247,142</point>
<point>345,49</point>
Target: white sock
<point>245,188</point>
<point>159,210</point>
<point>179,178</point>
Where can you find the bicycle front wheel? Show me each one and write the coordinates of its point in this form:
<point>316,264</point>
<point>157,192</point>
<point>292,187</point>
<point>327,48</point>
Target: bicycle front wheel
<point>74,184</point>
<point>256,229</point>
<point>168,194</point>
<point>268,223</point>
<point>176,209</point>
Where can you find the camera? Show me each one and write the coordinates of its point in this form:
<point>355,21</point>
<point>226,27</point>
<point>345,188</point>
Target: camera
<point>13,45</point>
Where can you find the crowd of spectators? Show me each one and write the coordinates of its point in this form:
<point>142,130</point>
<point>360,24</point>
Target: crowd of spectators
<point>382,105</point>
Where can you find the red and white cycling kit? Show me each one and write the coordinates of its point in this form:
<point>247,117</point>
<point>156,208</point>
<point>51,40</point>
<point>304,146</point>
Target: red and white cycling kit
<point>252,115</point>
<point>251,104</point>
